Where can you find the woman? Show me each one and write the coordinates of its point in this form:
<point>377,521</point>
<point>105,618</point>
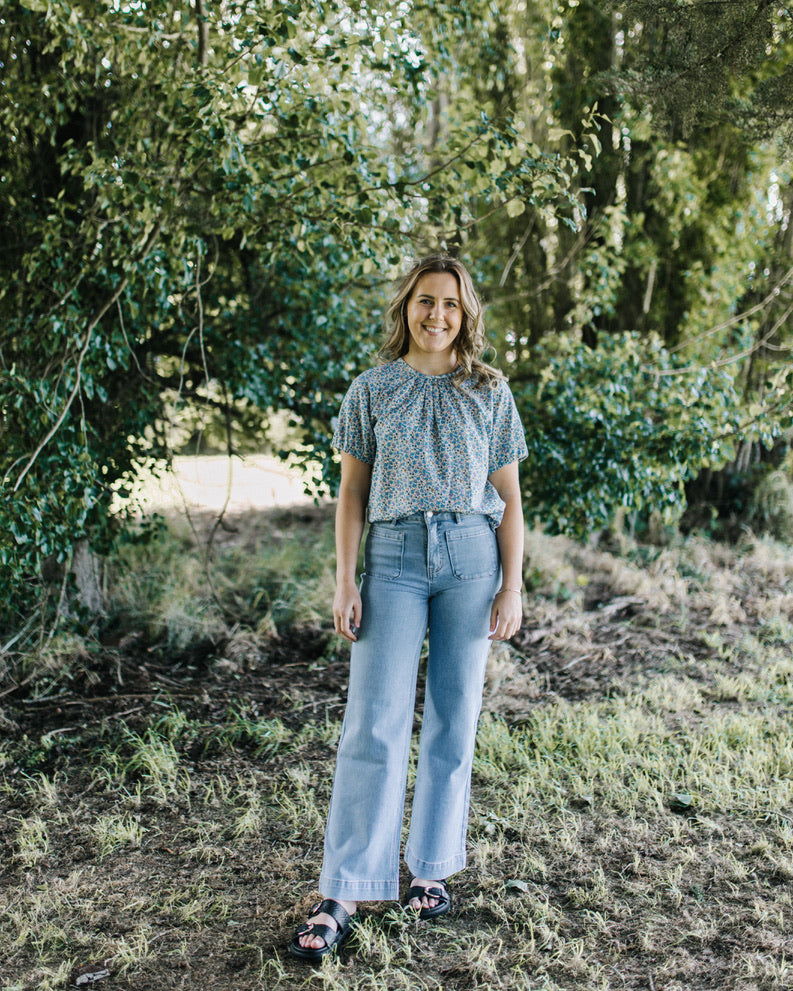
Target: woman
<point>430,443</point>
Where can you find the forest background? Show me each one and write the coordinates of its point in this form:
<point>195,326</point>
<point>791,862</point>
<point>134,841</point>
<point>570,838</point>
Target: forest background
<point>204,207</point>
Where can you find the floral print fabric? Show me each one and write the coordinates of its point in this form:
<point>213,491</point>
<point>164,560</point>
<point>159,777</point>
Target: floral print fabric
<point>431,444</point>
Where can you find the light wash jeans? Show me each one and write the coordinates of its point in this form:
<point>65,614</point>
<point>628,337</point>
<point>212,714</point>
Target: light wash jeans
<point>436,572</point>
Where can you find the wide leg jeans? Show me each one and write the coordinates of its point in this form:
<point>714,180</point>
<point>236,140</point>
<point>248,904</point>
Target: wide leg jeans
<point>435,575</point>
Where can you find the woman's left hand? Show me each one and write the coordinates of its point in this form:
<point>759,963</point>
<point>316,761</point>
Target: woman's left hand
<point>506,615</point>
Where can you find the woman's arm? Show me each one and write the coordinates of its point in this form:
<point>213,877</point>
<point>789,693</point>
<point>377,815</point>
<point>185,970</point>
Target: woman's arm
<point>350,520</point>
<point>507,612</point>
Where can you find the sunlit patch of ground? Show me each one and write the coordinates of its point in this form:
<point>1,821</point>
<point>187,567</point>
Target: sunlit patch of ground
<point>214,482</point>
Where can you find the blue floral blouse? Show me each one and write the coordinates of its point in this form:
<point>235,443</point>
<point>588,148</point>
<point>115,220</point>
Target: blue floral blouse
<point>431,444</point>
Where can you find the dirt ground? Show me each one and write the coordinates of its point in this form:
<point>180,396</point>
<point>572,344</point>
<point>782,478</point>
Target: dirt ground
<point>230,889</point>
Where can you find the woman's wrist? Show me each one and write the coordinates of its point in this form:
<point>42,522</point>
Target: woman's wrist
<point>508,588</point>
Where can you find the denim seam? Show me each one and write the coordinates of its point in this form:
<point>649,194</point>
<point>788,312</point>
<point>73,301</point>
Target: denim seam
<point>396,840</point>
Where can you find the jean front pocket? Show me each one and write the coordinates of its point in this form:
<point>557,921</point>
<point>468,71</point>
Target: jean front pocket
<point>473,553</point>
<point>382,556</point>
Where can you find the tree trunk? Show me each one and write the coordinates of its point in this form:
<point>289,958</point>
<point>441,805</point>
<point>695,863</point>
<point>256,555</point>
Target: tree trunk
<point>88,570</point>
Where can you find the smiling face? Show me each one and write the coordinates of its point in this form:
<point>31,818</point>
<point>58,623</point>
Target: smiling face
<point>434,318</point>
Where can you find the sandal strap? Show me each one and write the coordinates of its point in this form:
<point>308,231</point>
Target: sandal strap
<point>337,912</point>
<point>317,929</point>
<point>419,891</point>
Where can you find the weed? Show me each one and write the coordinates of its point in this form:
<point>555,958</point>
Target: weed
<point>156,761</point>
<point>32,840</point>
<point>113,831</point>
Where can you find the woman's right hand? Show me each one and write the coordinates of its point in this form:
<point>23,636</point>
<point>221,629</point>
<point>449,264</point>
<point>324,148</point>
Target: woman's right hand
<point>347,610</point>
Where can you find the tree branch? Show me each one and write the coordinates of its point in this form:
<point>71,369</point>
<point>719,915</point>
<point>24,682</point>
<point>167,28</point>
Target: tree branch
<point>83,351</point>
<point>203,33</point>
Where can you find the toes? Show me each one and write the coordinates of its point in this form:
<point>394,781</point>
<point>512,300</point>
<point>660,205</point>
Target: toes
<point>417,904</point>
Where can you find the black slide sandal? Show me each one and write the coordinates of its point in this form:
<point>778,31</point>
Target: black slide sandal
<point>442,896</point>
<point>334,938</point>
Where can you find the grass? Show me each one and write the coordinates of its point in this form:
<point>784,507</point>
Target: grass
<point>262,579</point>
<point>162,804</point>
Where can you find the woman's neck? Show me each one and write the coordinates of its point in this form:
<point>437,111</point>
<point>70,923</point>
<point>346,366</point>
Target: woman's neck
<point>440,364</point>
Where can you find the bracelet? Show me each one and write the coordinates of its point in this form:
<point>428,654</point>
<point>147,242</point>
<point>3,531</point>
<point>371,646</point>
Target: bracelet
<point>508,590</point>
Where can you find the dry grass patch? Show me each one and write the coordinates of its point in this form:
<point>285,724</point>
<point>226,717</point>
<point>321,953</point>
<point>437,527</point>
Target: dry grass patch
<point>632,805</point>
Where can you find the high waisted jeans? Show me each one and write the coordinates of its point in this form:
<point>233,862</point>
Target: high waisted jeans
<point>436,572</point>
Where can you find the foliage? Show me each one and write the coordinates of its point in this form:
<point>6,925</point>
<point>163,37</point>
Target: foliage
<point>771,508</point>
<point>687,235</point>
<point>199,201</point>
<point>204,204</point>
<point>705,64</point>
<point>622,427</point>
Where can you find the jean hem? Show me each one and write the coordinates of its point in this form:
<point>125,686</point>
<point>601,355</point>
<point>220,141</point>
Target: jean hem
<point>435,870</point>
<point>359,891</point>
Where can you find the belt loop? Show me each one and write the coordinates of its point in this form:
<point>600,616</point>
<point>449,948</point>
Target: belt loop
<point>458,517</point>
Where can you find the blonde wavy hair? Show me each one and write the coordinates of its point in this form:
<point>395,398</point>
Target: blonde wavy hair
<point>470,344</point>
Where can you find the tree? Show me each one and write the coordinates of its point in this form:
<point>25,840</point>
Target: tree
<point>199,198</point>
<point>684,239</point>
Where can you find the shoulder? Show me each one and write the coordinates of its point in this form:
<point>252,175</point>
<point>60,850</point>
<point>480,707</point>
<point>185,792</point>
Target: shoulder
<point>492,393</point>
<point>361,385</point>
<point>498,404</point>
<point>378,381</point>
<point>501,393</point>
<point>380,375</point>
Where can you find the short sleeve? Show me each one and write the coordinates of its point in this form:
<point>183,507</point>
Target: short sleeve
<point>354,433</point>
<point>507,439</point>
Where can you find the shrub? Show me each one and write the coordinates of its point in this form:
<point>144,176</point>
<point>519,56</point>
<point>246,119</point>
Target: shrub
<point>622,426</point>
<point>771,506</point>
